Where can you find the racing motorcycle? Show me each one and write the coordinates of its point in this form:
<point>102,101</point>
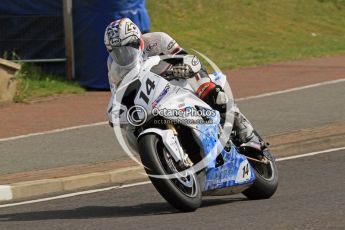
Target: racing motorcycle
<point>182,152</point>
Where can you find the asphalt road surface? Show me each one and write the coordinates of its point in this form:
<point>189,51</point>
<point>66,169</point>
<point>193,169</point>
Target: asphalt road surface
<point>306,108</point>
<point>310,196</point>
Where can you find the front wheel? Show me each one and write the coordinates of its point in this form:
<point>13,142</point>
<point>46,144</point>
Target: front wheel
<point>183,192</point>
<point>266,182</point>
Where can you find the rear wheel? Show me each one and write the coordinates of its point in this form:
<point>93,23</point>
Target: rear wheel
<point>266,182</point>
<point>182,192</point>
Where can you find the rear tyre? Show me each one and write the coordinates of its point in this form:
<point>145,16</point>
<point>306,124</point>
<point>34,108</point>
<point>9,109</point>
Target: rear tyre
<point>184,194</point>
<point>266,182</point>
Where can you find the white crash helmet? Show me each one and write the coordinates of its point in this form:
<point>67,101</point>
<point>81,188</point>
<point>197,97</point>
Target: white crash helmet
<point>124,42</point>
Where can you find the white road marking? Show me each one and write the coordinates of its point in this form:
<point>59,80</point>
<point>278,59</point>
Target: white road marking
<point>53,131</point>
<point>240,99</point>
<point>60,197</point>
<point>75,194</point>
<point>135,184</point>
<point>146,182</point>
<point>292,89</point>
<point>310,154</point>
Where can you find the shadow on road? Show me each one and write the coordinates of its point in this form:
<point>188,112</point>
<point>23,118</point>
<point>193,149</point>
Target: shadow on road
<point>91,212</point>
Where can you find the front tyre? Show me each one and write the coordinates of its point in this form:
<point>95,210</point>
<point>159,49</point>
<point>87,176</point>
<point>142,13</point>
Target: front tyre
<point>266,182</point>
<point>184,193</point>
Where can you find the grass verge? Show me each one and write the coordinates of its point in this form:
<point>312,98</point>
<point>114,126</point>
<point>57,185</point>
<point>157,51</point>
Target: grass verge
<point>33,83</point>
<point>233,33</point>
<point>236,33</point>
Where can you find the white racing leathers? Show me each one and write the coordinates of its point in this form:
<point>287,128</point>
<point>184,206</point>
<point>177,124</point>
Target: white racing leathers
<point>159,43</point>
<point>156,43</point>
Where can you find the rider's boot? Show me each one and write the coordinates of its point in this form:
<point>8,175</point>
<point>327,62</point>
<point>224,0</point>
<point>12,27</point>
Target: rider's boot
<point>243,132</point>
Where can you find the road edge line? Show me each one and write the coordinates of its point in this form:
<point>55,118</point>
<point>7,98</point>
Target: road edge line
<point>291,89</point>
<point>53,131</point>
<point>310,154</point>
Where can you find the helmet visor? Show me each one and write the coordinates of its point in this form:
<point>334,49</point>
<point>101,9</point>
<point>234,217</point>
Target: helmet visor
<point>124,55</point>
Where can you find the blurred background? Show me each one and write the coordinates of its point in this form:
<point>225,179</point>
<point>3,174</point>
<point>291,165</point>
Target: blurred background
<point>64,38</point>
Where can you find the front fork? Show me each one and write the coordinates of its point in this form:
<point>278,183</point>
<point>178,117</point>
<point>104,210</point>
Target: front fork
<point>186,161</point>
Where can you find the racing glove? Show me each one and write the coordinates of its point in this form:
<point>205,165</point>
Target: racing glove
<point>188,68</point>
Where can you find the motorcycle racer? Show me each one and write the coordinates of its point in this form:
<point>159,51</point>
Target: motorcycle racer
<point>128,48</point>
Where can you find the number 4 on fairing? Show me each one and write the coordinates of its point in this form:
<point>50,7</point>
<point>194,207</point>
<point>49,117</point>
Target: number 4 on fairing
<point>245,170</point>
<point>150,85</point>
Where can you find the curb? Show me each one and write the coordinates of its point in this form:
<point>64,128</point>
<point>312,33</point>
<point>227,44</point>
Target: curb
<point>22,190</point>
<point>288,144</point>
<point>308,140</point>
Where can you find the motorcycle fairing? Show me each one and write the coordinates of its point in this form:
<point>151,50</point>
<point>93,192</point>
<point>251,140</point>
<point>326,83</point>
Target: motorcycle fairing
<point>218,78</point>
<point>235,171</point>
<point>170,141</point>
<point>151,90</point>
